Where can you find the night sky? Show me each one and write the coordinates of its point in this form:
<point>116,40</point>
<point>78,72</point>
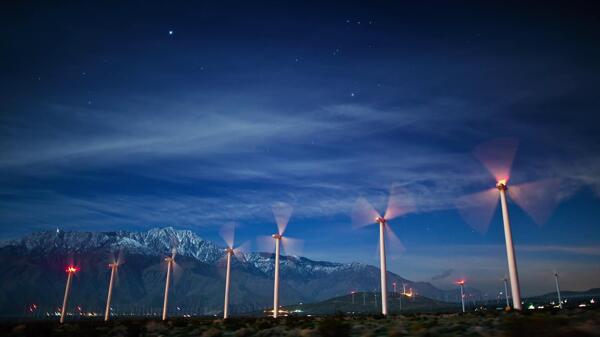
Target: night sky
<point>128,116</point>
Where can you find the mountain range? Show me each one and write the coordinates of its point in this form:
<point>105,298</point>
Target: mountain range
<point>32,271</point>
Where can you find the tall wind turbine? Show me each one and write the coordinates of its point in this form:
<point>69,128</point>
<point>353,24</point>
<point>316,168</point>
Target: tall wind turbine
<point>558,290</point>
<point>365,214</point>
<point>535,198</point>
<point>170,261</point>
<point>282,213</point>
<point>227,232</point>
<point>71,270</point>
<point>113,272</point>
<point>461,283</point>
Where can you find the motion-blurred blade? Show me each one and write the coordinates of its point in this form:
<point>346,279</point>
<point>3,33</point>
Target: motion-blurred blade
<point>265,244</point>
<point>292,246</point>
<point>241,251</point>
<point>393,241</point>
<point>227,233</point>
<point>363,213</point>
<point>173,253</point>
<point>399,203</point>
<point>497,156</point>
<point>478,209</point>
<point>282,213</point>
<point>538,199</point>
<point>120,257</point>
<point>177,272</point>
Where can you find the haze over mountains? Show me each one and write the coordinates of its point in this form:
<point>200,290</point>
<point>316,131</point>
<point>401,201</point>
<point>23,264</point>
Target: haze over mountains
<point>32,271</point>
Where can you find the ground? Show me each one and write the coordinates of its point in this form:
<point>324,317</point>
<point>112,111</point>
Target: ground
<point>540,323</point>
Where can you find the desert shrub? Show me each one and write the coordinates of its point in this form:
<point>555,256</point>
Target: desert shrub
<point>212,332</point>
<point>334,327</point>
<point>243,332</point>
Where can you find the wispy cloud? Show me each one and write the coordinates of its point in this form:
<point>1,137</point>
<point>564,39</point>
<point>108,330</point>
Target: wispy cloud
<point>444,274</point>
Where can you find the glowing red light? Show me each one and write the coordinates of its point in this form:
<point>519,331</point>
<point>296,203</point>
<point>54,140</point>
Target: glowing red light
<point>72,269</point>
<point>461,282</point>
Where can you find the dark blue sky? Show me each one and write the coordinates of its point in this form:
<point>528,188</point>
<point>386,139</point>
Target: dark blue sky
<point>144,114</point>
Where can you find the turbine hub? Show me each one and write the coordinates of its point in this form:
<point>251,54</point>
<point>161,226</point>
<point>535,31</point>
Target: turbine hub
<point>277,236</point>
<point>501,185</point>
<point>380,220</point>
<point>169,259</point>
<point>229,251</point>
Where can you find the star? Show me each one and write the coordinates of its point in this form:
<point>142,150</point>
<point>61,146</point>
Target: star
<point>352,94</point>
<point>171,32</point>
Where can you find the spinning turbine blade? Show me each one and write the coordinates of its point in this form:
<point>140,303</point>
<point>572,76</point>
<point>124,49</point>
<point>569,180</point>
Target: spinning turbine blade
<point>399,203</point>
<point>538,199</point>
<point>121,257</point>
<point>242,250</point>
<point>227,232</point>
<point>478,209</point>
<point>292,246</point>
<point>363,213</point>
<point>282,213</point>
<point>177,272</point>
<point>265,244</point>
<point>393,241</point>
<point>393,244</point>
<point>497,156</point>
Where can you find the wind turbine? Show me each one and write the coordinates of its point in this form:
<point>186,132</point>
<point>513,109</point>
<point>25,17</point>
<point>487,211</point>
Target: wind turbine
<point>113,271</point>
<point>506,291</point>
<point>227,232</point>
<point>365,214</point>
<point>535,198</point>
<point>71,270</point>
<point>558,290</point>
<point>461,283</point>
<point>282,213</point>
<point>170,261</point>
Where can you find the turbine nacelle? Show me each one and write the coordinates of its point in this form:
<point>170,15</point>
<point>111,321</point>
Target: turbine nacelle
<point>113,265</point>
<point>501,185</point>
<point>277,236</point>
<point>380,220</point>
<point>72,269</point>
<point>229,251</point>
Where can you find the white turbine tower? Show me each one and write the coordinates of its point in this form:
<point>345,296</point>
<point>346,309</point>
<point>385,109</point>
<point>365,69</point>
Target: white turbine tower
<point>71,270</point>
<point>170,261</point>
<point>535,198</point>
<point>227,232</point>
<point>461,283</point>
<point>282,212</point>
<point>113,271</point>
<point>365,214</point>
<point>558,290</point>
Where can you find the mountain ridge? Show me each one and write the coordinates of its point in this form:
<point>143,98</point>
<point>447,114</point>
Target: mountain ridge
<point>39,258</point>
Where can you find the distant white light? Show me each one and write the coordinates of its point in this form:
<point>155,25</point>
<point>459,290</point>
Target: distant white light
<point>352,94</point>
<point>170,32</point>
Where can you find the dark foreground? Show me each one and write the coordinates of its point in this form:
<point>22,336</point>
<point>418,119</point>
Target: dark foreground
<point>547,323</point>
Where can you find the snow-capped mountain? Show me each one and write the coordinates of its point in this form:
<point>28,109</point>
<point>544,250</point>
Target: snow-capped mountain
<point>32,271</point>
<point>156,241</point>
<point>160,242</point>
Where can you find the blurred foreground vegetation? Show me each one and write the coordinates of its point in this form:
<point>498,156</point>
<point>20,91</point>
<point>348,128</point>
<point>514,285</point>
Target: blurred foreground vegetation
<point>570,322</point>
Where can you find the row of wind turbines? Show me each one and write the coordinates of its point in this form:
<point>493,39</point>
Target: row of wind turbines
<point>477,210</point>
